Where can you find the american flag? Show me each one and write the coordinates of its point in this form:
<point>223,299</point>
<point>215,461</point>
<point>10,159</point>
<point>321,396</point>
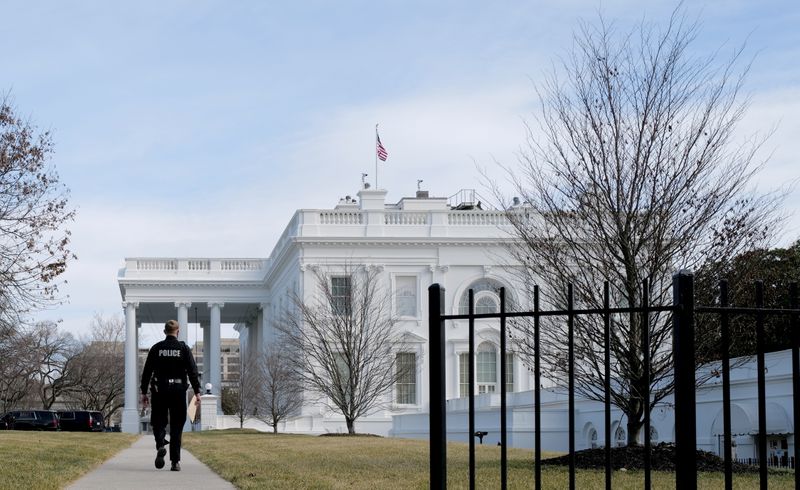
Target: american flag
<point>382,153</point>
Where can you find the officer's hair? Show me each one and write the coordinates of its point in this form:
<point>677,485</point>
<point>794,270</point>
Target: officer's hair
<point>171,327</point>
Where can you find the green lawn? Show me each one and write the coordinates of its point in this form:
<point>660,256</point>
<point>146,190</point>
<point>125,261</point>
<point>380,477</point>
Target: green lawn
<point>251,459</point>
<point>51,460</point>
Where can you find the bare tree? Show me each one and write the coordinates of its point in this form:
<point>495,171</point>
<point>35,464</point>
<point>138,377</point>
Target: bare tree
<point>32,362</point>
<point>632,172</point>
<point>52,351</point>
<point>33,211</point>
<point>17,369</point>
<point>281,388</point>
<point>342,340</point>
<point>245,396</point>
<point>96,377</point>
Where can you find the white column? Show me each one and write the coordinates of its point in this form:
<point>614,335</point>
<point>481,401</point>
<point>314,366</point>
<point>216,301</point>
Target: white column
<point>183,335</point>
<point>206,346</point>
<point>243,329</point>
<point>130,414</point>
<point>246,338</point>
<point>266,336</point>
<point>214,353</point>
<point>183,319</point>
<point>260,329</point>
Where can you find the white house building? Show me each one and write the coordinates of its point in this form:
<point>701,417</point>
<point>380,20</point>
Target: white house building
<point>415,242</point>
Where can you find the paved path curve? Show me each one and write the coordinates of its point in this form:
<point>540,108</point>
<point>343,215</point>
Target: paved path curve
<point>133,468</point>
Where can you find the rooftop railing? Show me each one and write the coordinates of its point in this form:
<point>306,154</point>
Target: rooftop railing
<point>194,265</point>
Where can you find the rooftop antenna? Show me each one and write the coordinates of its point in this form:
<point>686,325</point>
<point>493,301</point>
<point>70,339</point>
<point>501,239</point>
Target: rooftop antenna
<point>419,181</point>
<point>363,179</point>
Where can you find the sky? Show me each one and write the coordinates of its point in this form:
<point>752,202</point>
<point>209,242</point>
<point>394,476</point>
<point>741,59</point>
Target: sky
<point>197,128</point>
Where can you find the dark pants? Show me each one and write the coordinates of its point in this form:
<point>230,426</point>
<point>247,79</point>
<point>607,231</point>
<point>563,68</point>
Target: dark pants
<point>170,401</point>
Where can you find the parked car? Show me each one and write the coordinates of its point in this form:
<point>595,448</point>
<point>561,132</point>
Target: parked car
<point>81,420</point>
<point>30,420</point>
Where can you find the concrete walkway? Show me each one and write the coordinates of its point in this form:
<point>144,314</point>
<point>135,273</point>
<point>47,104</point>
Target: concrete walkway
<point>134,468</point>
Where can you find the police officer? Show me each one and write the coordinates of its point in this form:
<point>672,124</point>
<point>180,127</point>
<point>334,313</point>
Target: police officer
<point>167,366</point>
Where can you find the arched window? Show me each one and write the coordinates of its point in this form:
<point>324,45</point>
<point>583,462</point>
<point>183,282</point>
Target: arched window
<point>620,437</point>
<point>653,436</point>
<point>487,303</point>
<point>487,297</point>
<point>592,438</point>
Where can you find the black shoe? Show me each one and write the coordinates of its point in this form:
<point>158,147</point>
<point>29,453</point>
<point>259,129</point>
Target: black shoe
<point>176,466</point>
<point>162,451</point>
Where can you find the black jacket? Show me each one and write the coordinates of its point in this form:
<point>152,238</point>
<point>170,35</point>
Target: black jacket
<point>167,360</point>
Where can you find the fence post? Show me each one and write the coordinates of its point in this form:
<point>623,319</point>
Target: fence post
<point>762,389</point>
<point>436,368</point>
<point>571,383</point>
<point>795,378</point>
<point>503,403</point>
<point>683,349</point>
<point>471,390</point>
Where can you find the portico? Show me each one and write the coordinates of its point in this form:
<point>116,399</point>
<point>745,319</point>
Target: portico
<point>215,291</point>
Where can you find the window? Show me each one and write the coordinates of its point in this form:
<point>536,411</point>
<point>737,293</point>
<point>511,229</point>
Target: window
<point>406,365</point>
<point>340,295</point>
<point>341,378</point>
<point>653,435</point>
<point>509,373</point>
<point>487,297</point>
<point>463,374</point>
<point>406,295</point>
<point>620,438</point>
<point>487,368</point>
<point>486,304</point>
<point>593,438</point>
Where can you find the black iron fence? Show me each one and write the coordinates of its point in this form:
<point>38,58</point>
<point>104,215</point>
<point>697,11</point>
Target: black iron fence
<point>683,310</point>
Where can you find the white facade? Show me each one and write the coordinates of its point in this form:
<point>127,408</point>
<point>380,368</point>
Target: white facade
<point>590,416</point>
<point>414,243</point>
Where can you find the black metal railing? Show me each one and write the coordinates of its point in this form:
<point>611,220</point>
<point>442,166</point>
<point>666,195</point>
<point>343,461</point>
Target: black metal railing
<point>683,310</point>
<point>688,479</point>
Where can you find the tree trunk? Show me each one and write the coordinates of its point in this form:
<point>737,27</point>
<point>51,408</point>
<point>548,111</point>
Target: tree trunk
<point>635,424</point>
<point>351,426</point>
<point>275,428</point>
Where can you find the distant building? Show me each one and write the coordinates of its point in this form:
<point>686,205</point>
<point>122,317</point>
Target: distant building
<point>230,360</point>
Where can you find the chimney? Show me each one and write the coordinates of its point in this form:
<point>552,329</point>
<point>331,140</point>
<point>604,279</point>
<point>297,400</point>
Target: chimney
<point>370,199</point>
<point>422,195</point>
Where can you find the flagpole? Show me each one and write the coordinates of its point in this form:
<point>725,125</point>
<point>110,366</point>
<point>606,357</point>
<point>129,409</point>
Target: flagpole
<point>376,156</point>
